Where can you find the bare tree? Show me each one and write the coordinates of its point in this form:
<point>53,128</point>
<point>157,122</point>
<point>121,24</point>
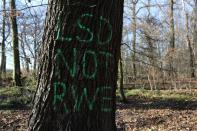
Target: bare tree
<point>14,28</point>
<point>121,88</point>
<point>191,52</point>
<point>195,26</point>
<point>3,56</point>
<point>134,29</point>
<point>172,38</point>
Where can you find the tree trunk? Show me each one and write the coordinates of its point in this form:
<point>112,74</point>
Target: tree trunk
<point>192,60</point>
<point>172,38</point>
<point>35,52</point>
<point>35,46</point>
<point>16,72</point>
<point>78,67</point>
<point>151,48</point>
<point>134,39</point>
<point>195,27</point>
<point>122,95</point>
<point>3,57</point>
<point>26,59</point>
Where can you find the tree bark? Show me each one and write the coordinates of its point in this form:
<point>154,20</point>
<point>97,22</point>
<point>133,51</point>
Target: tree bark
<point>78,66</point>
<point>14,28</point>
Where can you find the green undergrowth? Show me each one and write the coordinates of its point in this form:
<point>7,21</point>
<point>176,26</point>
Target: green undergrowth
<point>16,97</point>
<point>159,94</point>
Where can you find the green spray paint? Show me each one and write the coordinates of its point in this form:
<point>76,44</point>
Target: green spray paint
<point>85,74</point>
<point>85,28</point>
<point>60,58</point>
<point>79,100</point>
<point>66,108</point>
<point>59,37</point>
<point>102,19</point>
<point>58,97</point>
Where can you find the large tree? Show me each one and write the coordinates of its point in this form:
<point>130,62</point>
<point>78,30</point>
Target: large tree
<point>78,66</point>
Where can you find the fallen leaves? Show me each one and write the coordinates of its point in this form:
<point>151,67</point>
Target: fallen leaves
<point>162,119</point>
<point>14,120</point>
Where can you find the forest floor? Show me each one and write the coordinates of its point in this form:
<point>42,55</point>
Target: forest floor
<point>144,111</point>
<point>141,114</point>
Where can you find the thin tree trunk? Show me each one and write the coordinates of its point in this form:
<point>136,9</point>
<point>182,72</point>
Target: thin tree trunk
<point>26,60</point>
<point>35,48</point>
<point>35,52</point>
<point>195,27</point>
<point>151,49</point>
<point>3,57</point>
<point>23,42</point>
<point>134,39</point>
<point>172,39</point>
<point>77,77</point>
<point>121,89</point>
<point>192,60</point>
<point>16,72</point>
